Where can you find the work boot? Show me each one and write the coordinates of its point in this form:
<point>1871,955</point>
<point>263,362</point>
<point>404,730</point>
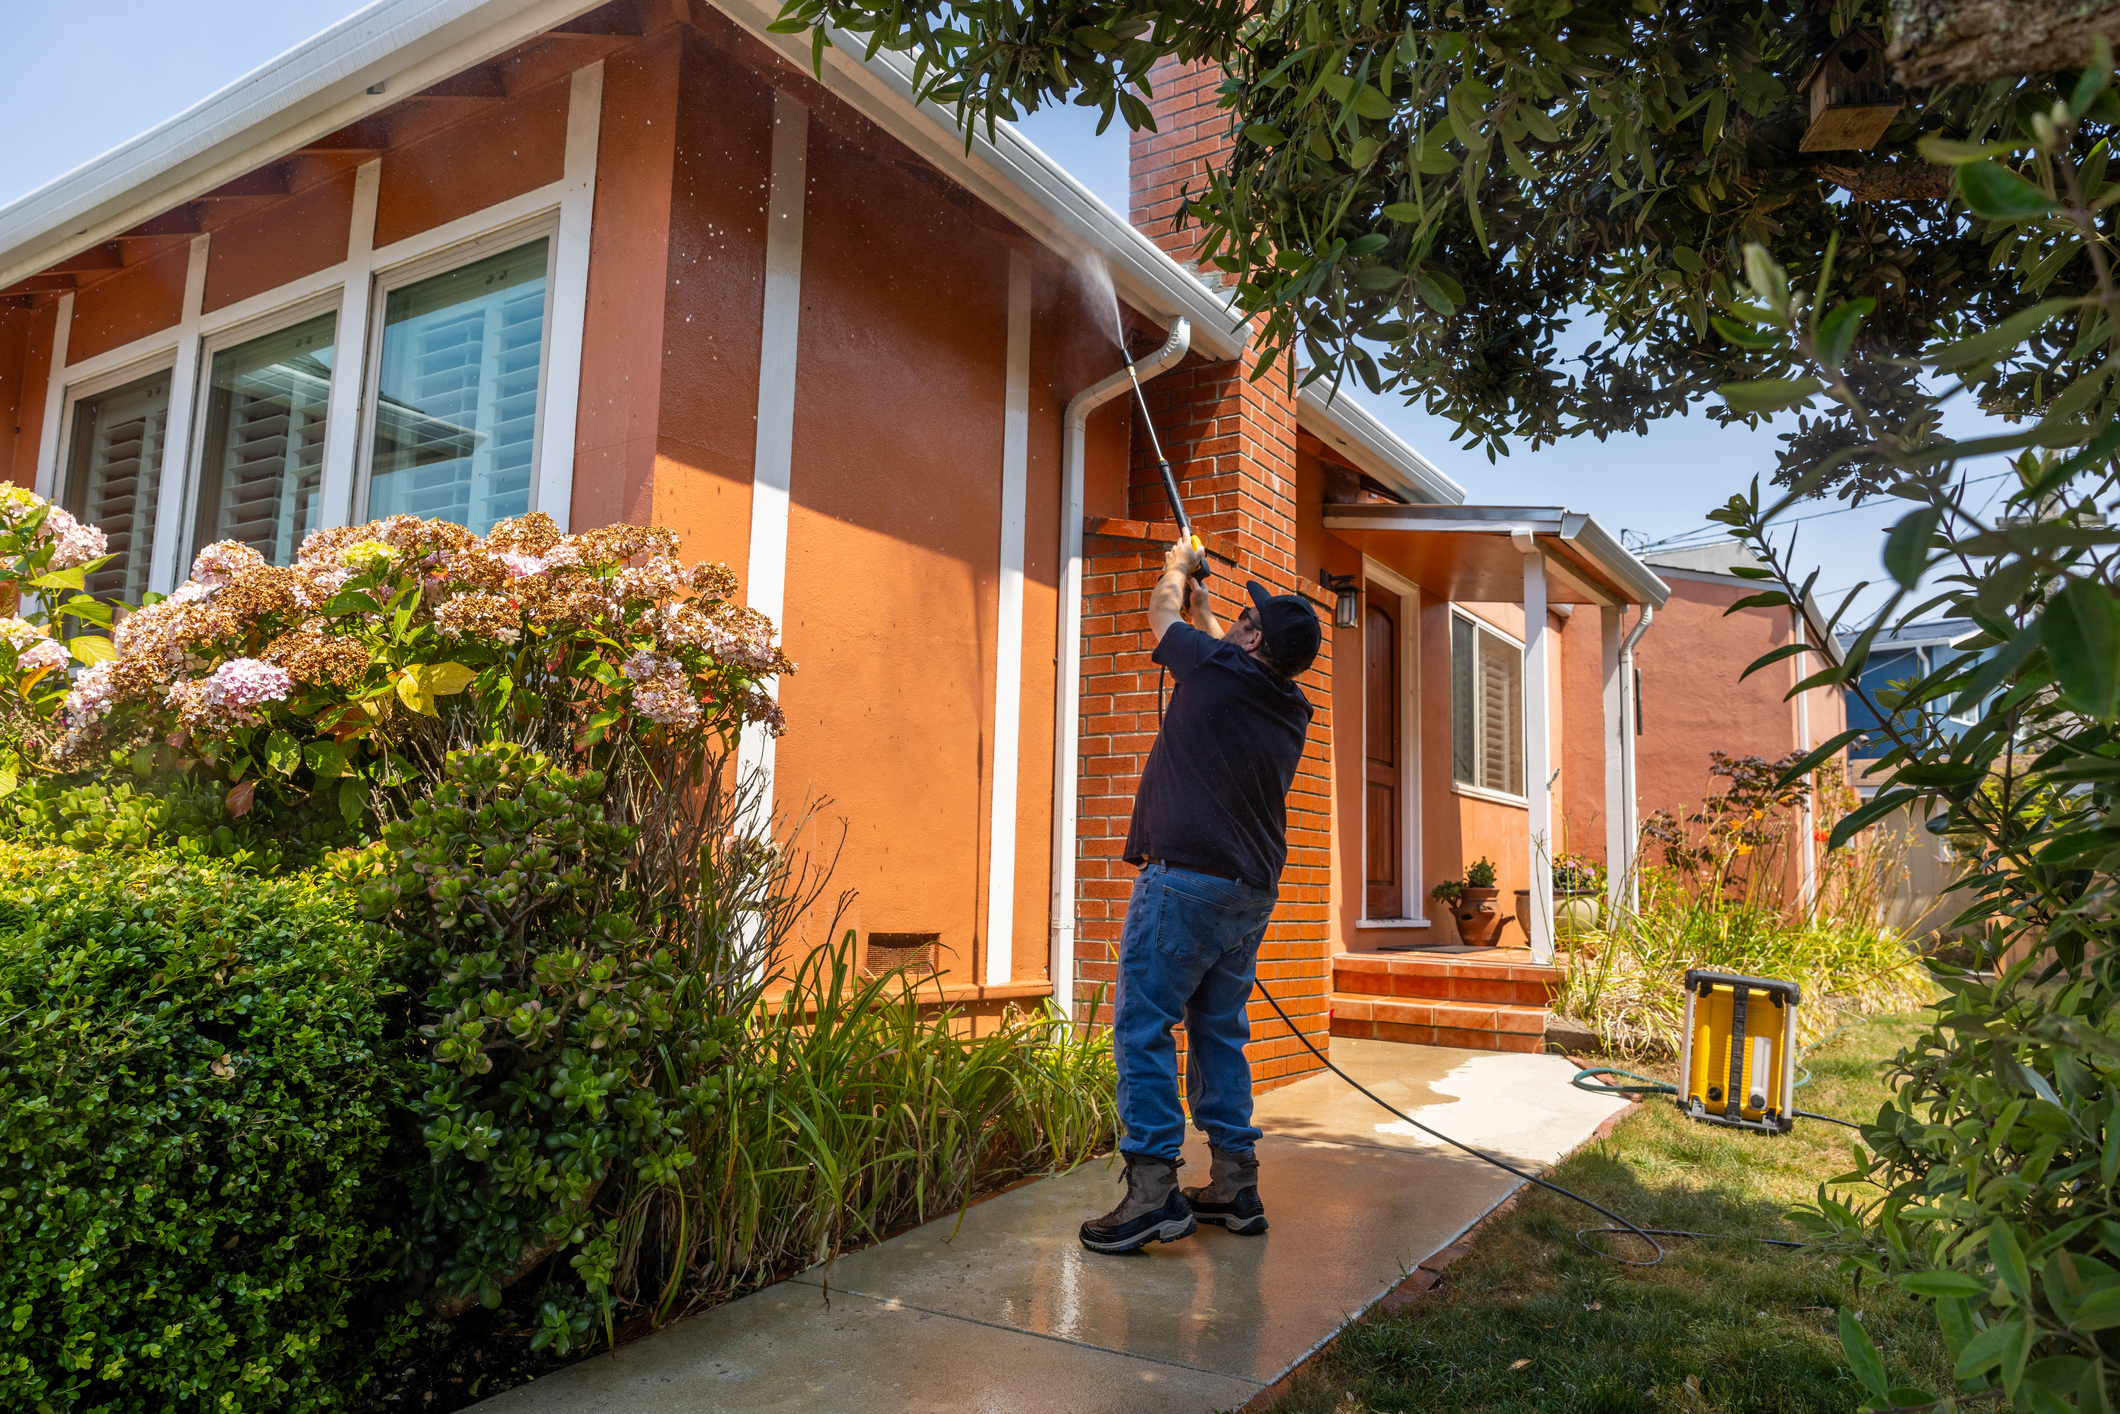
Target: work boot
<point>1231,1196</point>
<point>1152,1211</point>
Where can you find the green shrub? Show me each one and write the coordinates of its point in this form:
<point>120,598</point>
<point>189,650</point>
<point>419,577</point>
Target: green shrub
<point>194,1097</point>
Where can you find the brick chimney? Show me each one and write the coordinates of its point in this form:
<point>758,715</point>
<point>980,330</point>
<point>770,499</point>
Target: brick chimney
<point>1232,443</point>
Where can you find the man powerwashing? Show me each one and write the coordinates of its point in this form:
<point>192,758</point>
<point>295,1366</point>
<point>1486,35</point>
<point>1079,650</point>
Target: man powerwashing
<point>1209,835</point>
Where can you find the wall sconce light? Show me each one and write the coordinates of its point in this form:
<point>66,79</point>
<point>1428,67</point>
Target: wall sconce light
<point>1347,596</point>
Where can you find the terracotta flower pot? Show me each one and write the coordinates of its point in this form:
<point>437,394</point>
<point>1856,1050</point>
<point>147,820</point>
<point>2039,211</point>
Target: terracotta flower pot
<point>1476,918</point>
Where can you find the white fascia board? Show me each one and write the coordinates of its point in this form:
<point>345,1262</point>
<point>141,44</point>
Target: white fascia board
<point>1010,174</point>
<point>1351,429</point>
<point>1606,549</point>
<point>315,88</point>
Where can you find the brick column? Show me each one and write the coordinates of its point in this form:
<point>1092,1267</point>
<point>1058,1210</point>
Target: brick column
<point>1232,443</point>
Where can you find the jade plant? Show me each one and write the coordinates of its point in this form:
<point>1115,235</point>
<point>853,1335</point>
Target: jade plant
<point>1480,875</point>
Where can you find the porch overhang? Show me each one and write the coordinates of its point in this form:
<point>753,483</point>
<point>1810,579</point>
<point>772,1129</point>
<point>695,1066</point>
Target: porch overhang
<point>1473,554</point>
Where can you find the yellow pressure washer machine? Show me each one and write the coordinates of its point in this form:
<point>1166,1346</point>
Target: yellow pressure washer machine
<point>1738,1056</point>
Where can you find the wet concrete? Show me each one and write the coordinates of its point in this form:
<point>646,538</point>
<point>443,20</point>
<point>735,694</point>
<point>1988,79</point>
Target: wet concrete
<point>1005,1311</point>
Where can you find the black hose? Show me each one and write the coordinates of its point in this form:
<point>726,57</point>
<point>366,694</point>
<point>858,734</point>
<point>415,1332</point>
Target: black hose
<point>1505,1166</point>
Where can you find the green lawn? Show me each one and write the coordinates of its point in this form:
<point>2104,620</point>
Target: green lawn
<point>1529,1320</point>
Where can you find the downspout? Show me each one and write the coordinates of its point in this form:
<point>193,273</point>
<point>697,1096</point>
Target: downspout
<point>1067,696</point>
<point>1632,714</point>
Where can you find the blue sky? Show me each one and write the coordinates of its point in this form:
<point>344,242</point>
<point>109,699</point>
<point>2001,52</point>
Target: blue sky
<point>92,86</point>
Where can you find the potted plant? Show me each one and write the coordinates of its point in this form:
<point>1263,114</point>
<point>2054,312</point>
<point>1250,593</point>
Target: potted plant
<point>1578,884</point>
<point>1476,919</point>
<point>1447,894</point>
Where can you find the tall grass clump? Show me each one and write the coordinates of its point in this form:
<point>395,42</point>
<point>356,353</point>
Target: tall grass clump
<point>1729,895</point>
<point>858,1107</point>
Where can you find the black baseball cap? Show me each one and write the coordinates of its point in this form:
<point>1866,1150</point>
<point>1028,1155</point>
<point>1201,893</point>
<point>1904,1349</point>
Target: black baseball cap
<point>1290,626</point>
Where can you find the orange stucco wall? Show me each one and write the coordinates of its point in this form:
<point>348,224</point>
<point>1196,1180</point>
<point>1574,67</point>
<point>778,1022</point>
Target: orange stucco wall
<point>296,237</point>
<point>136,302</point>
<point>25,354</point>
<point>492,153</point>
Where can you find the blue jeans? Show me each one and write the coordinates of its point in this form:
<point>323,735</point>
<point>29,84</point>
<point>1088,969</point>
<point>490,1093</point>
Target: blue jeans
<point>1187,952</point>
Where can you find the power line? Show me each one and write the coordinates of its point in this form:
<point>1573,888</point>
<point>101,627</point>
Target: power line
<point>1679,540</point>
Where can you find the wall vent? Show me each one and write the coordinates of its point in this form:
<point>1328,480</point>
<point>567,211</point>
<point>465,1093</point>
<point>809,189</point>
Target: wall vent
<point>915,952</point>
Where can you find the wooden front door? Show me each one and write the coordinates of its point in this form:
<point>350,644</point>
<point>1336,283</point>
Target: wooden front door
<point>1383,808</point>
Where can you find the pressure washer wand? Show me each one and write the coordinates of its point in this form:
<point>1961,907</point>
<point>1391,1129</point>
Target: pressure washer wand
<point>1170,482</point>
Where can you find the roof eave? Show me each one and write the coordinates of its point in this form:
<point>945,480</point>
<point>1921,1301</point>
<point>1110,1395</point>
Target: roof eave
<point>1354,431</point>
<point>315,88</point>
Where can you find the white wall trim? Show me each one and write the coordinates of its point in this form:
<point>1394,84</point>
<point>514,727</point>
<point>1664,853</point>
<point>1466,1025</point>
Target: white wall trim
<point>766,579</point>
<point>1008,637</point>
<point>554,494</point>
<point>54,400</point>
<point>1411,877</point>
<point>349,341</point>
<point>1538,748</point>
<point>170,492</point>
<point>1618,822</point>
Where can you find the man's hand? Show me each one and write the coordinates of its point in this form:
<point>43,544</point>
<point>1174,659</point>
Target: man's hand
<point>1183,557</point>
<point>1167,601</point>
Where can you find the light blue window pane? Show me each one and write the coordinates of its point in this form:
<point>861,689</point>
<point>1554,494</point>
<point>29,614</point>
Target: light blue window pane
<point>263,458</point>
<point>456,412</point>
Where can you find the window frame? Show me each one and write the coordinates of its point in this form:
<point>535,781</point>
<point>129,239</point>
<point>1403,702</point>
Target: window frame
<point>497,241</point>
<point>1468,788</point>
<point>102,380</point>
<point>567,206</point>
<point>219,340</point>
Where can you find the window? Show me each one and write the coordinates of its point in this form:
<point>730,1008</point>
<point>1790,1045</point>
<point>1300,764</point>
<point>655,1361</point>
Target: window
<point>114,474</point>
<point>1487,709</point>
<point>460,369</point>
<point>261,462</point>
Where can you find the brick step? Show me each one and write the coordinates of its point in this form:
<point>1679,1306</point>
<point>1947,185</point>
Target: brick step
<point>1496,977</point>
<point>1423,1021</point>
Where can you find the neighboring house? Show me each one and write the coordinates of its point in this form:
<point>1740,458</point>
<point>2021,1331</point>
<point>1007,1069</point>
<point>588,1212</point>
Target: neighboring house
<point>638,261</point>
<point>1692,702</point>
<point>1898,657</point>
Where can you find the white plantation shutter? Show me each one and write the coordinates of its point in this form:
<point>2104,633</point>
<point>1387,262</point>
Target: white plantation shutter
<point>263,457</point>
<point>456,414</point>
<point>113,476</point>
<point>1487,699</point>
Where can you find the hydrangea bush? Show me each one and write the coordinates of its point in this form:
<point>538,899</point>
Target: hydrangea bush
<point>351,671</point>
<point>45,558</point>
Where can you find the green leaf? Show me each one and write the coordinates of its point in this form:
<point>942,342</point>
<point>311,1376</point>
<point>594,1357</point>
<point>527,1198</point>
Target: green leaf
<point>1837,330</point>
<point>1991,344</point>
<point>1770,395</point>
<point>326,758</point>
<point>1402,211</point>
<point>2080,631</point>
<point>1906,547</point>
<point>1863,816</point>
<point>1862,1354</point>
<point>1943,152</point>
<point>282,753</point>
<point>1998,194</point>
<point>1942,1284</point>
<point>2099,1311</point>
<point>2002,1342</point>
<point>92,648</point>
<point>61,579</point>
<point>1267,135</point>
<point>1745,336</point>
<point>353,802</point>
<point>2008,1257</point>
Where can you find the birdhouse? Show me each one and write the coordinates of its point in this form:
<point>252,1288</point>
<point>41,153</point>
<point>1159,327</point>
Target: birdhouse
<point>1853,98</point>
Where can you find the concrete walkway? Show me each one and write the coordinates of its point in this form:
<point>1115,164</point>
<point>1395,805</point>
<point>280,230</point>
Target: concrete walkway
<point>1008,1312</point>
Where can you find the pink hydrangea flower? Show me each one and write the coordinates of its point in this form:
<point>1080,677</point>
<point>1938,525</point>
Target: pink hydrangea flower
<point>522,566</point>
<point>44,655</point>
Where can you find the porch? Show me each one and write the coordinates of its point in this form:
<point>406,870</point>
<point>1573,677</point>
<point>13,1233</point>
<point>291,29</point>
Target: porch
<point>1428,780</point>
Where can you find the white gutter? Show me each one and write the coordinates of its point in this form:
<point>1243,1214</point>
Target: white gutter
<point>1351,429</point>
<point>1067,691</point>
<point>1632,710</point>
